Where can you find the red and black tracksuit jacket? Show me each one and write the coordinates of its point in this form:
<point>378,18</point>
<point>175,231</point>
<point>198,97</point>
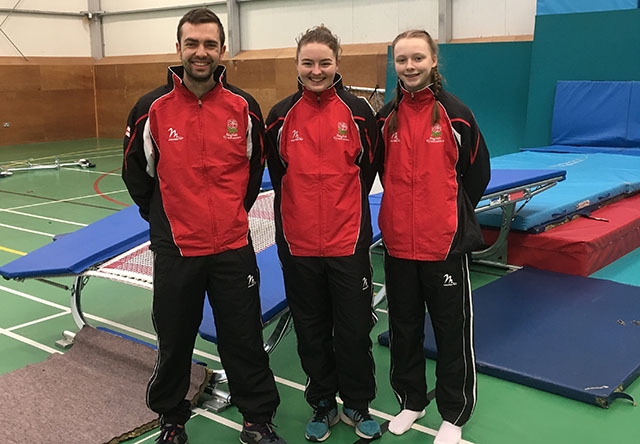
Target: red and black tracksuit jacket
<point>433,177</point>
<point>194,166</point>
<point>321,158</point>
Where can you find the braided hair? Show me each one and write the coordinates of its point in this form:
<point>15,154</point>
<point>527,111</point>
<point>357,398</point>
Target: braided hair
<point>436,77</point>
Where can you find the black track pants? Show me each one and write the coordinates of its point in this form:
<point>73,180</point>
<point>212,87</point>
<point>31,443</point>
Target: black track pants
<point>231,281</point>
<point>330,301</point>
<point>446,290</point>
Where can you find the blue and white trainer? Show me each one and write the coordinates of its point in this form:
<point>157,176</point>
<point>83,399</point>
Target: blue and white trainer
<point>324,417</point>
<point>365,426</point>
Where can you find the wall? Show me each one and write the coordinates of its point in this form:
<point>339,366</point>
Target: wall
<point>142,27</point>
<point>268,75</point>
<point>585,46</point>
<point>46,100</point>
<point>571,6</point>
<point>493,80</point>
<point>72,97</point>
<point>62,33</point>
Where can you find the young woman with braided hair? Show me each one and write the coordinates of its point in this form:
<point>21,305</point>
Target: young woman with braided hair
<point>435,170</point>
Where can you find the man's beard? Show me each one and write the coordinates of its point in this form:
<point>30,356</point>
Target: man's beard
<point>199,76</point>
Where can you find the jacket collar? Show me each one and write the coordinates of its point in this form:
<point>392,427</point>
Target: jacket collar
<point>324,95</point>
<point>175,75</point>
<point>423,95</point>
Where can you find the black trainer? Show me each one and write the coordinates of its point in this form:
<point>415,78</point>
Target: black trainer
<point>260,434</point>
<point>172,434</point>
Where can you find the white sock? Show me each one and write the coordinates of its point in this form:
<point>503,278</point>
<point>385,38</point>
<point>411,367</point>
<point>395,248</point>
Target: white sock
<point>448,434</point>
<point>404,420</point>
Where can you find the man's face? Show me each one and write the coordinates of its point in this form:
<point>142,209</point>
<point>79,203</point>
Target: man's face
<point>200,50</point>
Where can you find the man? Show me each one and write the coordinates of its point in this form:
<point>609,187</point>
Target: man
<point>193,162</point>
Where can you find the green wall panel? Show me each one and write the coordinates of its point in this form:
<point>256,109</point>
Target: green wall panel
<point>492,79</point>
<point>586,46</point>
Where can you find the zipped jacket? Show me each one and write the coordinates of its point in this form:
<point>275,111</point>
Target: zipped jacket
<point>194,166</point>
<point>433,177</point>
<point>321,159</point>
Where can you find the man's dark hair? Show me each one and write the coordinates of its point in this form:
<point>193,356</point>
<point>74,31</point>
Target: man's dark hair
<point>201,15</point>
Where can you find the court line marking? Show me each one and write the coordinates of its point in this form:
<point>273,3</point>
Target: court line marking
<point>69,154</point>
<point>66,310</point>
<point>71,199</point>
<point>12,251</point>
<point>28,341</point>
<point>36,216</point>
<point>25,230</point>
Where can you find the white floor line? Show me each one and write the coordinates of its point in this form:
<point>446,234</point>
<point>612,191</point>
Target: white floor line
<point>90,171</point>
<point>71,154</point>
<point>217,418</point>
<point>28,341</point>
<point>37,321</point>
<point>71,199</point>
<point>292,384</point>
<point>35,299</point>
<point>51,219</point>
<point>12,227</point>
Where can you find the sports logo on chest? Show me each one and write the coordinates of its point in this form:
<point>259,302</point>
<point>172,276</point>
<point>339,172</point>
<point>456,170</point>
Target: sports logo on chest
<point>174,136</point>
<point>232,130</point>
<point>436,134</point>
<point>295,136</point>
<point>342,134</point>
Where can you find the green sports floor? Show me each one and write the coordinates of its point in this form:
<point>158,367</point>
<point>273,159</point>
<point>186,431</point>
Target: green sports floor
<point>36,205</point>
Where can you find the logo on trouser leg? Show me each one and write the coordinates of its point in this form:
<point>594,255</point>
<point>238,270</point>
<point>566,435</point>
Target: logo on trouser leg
<point>448,281</point>
<point>251,281</point>
<point>365,283</point>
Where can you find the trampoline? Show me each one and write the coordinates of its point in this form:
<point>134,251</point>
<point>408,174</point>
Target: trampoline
<point>117,248</point>
<point>595,137</point>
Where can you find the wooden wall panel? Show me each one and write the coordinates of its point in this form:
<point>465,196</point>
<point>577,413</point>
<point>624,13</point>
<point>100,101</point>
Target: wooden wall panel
<point>19,78</point>
<point>62,99</point>
<point>46,102</point>
<point>118,87</point>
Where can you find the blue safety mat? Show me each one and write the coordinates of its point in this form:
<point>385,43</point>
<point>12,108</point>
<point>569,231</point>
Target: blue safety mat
<point>272,295</point>
<point>591,179</point>
<point>585,149</point>
<point>74,253</point>
<point>596,114</point>
<point>574,336</point>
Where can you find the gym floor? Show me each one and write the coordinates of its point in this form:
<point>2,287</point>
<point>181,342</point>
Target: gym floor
<point>36,205</point>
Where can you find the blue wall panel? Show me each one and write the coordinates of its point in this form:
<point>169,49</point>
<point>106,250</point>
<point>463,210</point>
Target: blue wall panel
<point>570,6</point>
